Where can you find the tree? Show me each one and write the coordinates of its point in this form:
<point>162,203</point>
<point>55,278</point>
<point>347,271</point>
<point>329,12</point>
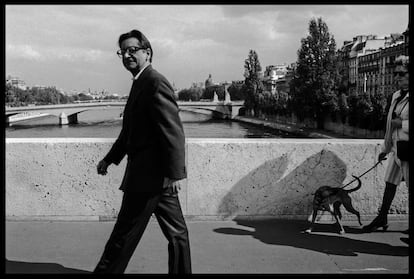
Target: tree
<point>209,92</point>
<point>10,94</point>
<point>364,109</point>
<point>191,94</point>
<point>343,106</point>
<point>315,84</point>
<point>379,111</point>
<point>35,95</point>
<point>236,92</point>
<point>360,108</point>
<point>84,97</point>
<point>252,66</point>
<point>253,85</point>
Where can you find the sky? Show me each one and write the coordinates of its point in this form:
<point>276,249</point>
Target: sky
<point>73,47</point>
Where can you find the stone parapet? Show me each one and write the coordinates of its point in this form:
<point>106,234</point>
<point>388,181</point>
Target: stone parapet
<point>56,178</point>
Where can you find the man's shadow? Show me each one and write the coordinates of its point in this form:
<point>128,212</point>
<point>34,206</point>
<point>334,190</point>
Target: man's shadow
<point>272,189</point>
<point>27,267</point>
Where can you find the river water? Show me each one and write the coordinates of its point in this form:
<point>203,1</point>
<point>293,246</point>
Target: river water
<point>106,123</point>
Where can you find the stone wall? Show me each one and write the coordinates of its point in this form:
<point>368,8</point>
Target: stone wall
<point>247,178</point>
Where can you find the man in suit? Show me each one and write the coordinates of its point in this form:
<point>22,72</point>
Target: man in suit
<point>152,137</point>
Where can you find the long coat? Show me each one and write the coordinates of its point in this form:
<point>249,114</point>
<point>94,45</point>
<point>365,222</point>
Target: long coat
<point>396,168</point>
<point>152,135</point>
<point>392,136</point>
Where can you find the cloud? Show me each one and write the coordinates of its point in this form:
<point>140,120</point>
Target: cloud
<point>189,41</point>
<point>47,54</point>
<point>285,11</point>
<point>23,51</point>
<point>78,55</point>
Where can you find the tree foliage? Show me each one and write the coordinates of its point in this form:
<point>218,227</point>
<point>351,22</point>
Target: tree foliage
<point>237,92</point>
<point>314,87</point>
<point>252,66</point>
<point>253,84</point>
<point>190,94</point>
<point>40,96</point>
<point>209,92</point>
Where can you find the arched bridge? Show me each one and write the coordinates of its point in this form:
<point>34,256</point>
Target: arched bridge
<point>68,113</point>
<point>219,109</point>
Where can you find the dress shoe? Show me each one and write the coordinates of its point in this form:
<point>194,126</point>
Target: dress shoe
<point>377,223</point>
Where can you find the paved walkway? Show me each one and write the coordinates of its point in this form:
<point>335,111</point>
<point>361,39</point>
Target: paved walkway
<point>271,246</point>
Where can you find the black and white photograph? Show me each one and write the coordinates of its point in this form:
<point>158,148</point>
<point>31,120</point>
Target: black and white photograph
<point>212,139</point>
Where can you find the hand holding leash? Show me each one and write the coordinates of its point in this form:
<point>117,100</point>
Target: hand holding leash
<point>381,156</point>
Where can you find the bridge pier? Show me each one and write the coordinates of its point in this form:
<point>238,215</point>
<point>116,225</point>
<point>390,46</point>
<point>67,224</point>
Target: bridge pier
<point>65,120</point>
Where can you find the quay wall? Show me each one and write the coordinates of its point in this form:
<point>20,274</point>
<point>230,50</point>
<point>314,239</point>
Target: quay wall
<point>56,178</point>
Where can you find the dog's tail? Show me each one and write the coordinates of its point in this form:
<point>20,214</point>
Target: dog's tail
<point>357,187</point>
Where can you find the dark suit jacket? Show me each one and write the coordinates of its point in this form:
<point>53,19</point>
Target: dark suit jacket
<point>152,135</point>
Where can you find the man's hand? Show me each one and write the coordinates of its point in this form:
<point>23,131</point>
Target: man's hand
<point>396,123</point>
<point>381,156</point>
<point>173,184</point>
<point>102,167</point>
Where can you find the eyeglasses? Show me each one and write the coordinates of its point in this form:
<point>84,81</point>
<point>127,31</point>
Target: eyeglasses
<point>130,50</point>
<point>400,73</point>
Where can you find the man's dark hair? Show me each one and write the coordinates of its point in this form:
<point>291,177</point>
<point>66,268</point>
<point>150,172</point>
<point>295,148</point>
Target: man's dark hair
<point>143,41</point>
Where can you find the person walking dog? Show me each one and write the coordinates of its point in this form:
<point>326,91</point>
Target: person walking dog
<point>395,142</point>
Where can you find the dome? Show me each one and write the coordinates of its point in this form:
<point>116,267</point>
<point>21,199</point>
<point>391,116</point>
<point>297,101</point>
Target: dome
<point>209,81</point>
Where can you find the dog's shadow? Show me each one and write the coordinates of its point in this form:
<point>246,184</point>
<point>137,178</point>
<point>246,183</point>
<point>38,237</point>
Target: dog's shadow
<point>290,233</point>
<point>13,267</point>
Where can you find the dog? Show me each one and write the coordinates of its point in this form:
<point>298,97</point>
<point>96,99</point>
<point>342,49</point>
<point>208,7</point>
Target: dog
<point>328,198</point>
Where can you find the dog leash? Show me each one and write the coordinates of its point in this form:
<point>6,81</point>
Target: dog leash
<point>374,166</point>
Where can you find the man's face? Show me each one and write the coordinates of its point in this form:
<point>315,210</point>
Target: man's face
<point>133,56</point>
<point>401,77</point>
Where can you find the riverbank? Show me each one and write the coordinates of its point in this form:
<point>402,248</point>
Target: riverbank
<point>303,132</point>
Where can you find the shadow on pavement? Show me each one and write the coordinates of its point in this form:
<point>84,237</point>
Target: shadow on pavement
<point>290,233</point>
<point>27,267</point>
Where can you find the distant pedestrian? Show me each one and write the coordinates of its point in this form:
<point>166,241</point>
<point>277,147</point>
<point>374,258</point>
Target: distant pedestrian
<point>152,137</point>
<point>396,130</point>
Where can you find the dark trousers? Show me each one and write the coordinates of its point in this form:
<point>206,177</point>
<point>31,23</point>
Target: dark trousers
<point>133,218</point>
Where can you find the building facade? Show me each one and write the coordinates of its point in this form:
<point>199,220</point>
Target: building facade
<point>16,82</point>
<point>387,59</point>
<point>368,80</point>
<point>366,63</point>
<point>274,77</point>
